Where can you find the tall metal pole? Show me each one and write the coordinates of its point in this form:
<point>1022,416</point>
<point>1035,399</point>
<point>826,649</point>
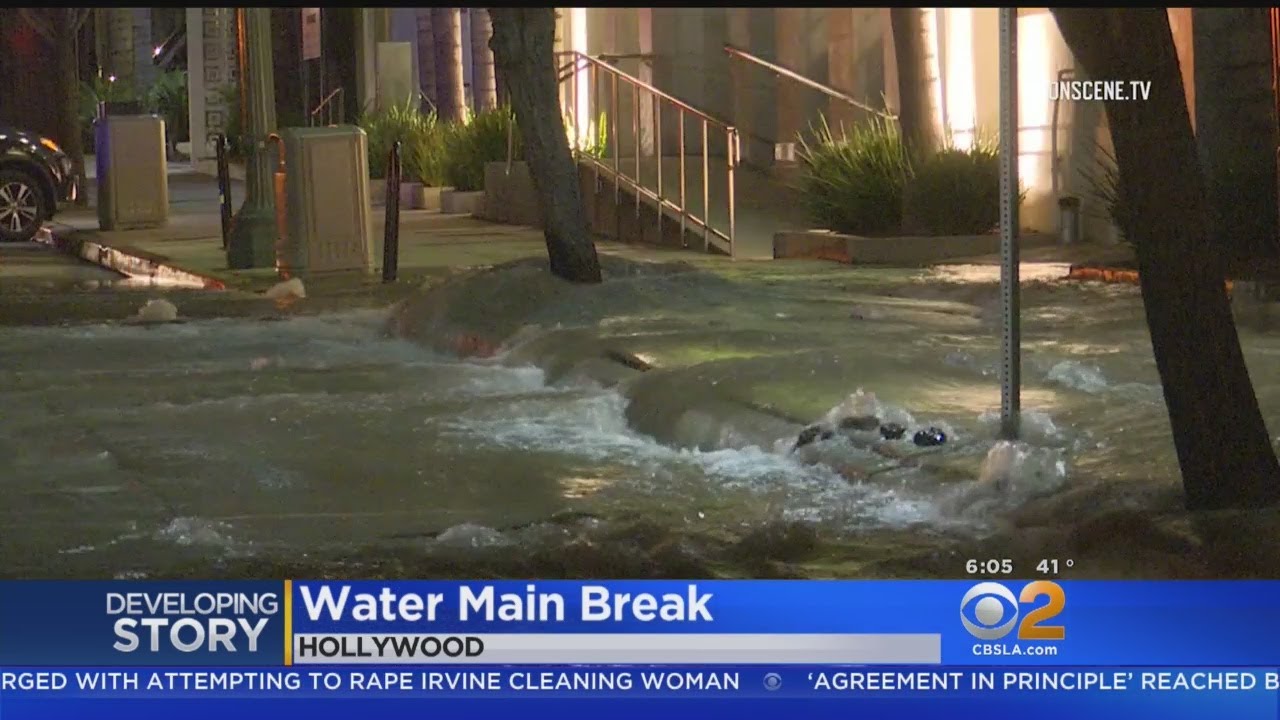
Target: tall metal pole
<point>1011,336</point>
<point>253,236</point>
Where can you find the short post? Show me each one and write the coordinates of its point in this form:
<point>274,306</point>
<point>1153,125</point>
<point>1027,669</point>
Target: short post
<point>224,187</point>
<point>391,231</point>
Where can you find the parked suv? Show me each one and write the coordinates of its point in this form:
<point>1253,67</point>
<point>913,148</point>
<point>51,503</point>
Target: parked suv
<point>35,175</point>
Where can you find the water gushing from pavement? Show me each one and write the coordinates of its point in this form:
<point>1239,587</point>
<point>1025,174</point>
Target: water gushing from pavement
<point>130,450</point>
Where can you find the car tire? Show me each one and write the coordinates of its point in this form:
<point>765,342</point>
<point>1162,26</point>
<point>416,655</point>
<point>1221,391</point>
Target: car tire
<point>23,207</point>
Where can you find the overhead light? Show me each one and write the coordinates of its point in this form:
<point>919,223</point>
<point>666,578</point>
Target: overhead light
<point>156,52</point>
<point>111,78</point>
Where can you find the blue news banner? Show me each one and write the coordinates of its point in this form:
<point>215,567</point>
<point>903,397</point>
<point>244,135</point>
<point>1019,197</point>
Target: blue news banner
<point>632,648</point>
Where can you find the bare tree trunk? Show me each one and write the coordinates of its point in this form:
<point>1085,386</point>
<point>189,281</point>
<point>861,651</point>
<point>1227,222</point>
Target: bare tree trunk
<point>1221,438</point>
<point>427,57</point>
<point>60,27</point>
<point>451,100</point>
<point>69,99</point>
<point>523,51</point>
<point>913,49</point>
<point>483,84</point>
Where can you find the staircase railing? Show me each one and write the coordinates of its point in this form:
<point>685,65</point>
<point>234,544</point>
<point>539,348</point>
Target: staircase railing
<point>792,75</point>
<point>332,107</point>
<point>602,75</point>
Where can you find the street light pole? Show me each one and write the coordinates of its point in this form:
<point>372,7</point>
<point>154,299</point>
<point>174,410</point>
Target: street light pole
<point>1011,335</point>
<point>253,235</point>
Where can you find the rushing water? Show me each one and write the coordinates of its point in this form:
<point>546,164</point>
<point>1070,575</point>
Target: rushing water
<point>320,444</point>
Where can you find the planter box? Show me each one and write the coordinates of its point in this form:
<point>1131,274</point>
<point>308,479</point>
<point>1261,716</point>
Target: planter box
<point>458,202</point>
<point>908,251</point>
<point>416,196</point>
<point>510,197</point>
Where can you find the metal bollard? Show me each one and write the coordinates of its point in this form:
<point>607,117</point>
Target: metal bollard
<point>391,231</point>
<point>280,187</point>
<point>1069,218</point>
<point>224,187</point>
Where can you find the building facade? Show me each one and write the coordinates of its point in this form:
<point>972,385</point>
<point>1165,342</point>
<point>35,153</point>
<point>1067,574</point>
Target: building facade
<point>682,51</point>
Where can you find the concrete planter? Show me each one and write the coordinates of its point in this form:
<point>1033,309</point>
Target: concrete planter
<point>908,251</point>
<point>509,197</point>
<point>458,202</point>
<point>416,196</point>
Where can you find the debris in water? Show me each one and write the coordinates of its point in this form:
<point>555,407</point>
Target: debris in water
<point>158,310</point>
<point>930,437</point>
<point>892,431</point>
<point>289,289</point>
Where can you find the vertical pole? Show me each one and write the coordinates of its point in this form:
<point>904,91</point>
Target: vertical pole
<point>1011,366</point>
<point>224,188</point>
<point>253,236</point>
<point>391,230</point>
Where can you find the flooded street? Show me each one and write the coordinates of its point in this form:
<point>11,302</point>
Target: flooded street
<point>321,444</point>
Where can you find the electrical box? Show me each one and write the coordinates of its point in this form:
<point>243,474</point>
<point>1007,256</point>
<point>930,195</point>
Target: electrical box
<point>133,173</point>
<point>327,191</point>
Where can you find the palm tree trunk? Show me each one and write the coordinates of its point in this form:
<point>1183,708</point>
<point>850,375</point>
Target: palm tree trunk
<point>450,93</point>
<point>1221,439</point>
<point>427,57</point>
<point>66,30</point>
<point>483,84</point>
<point>913,50</point>
<point>523,51</point>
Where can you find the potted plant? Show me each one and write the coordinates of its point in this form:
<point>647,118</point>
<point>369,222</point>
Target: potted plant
<point>383,127</point>
<point>422,162</point>
<point>468,147</point>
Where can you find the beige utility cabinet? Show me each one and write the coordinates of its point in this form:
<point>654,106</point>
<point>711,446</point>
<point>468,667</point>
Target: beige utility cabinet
<point>327,191</point>
<point>133,174</point>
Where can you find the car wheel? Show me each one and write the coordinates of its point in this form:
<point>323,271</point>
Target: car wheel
<point>23,208</point>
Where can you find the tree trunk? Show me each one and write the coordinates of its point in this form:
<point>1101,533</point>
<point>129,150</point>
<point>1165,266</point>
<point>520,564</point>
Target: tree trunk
<point>483,84</point>
<point>427,57</point>
<point>450,93</point>
<point>913,49</point>
<point>66,29</point>
<point>523,51</point>
<point>1221,439</point>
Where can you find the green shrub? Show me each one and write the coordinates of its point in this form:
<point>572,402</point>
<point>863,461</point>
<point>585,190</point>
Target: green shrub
<point>93,91</point>
<point>956,192</point>
<point>481,139</point>
<point>384,126</point>
<point>422,154</point>
<point>1104,181</point>
<point>167,98</point>
<point>852,182</point>
<point>596,142</point>
<point>237,144</point>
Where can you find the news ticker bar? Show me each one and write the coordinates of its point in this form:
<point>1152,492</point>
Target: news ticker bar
<point>581,681</point>
<point>616,649</point>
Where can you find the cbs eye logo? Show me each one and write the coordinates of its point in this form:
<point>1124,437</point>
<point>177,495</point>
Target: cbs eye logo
<point>989,611</point>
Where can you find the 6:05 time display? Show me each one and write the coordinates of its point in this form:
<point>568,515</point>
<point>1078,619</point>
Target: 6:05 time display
<point>991,566</point>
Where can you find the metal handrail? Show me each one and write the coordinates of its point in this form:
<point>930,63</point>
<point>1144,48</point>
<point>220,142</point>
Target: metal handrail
<point>337,92</point>
<point>797,77</point>
<point>676,203</point>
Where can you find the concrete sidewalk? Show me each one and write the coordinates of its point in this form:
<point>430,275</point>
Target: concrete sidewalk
<point>188,250</point>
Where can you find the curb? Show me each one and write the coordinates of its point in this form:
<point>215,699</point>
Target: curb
<point>128,261</point>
